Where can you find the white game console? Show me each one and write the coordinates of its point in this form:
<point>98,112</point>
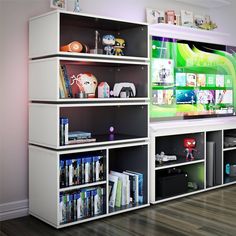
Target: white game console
<point>124,90</point>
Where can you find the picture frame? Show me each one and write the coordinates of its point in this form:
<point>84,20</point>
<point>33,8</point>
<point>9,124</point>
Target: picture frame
<point>155,16</point>
<point>187,18</point>
<point>58,4</point>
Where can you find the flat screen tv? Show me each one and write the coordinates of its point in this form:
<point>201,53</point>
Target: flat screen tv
<point>191,79</point>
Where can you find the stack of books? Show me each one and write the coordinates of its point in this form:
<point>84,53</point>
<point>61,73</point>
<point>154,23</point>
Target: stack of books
<point>74,137</point>
<point>125,188</point>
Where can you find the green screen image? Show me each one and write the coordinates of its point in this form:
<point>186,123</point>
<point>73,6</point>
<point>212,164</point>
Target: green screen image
<point>191,79</point>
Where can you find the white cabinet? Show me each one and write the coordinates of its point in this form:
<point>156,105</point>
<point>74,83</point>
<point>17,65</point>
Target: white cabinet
<point>118,126</point>
<point>172,179</point>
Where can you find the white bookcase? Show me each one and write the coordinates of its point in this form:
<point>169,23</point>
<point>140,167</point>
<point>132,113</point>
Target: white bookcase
<point>125,149</point>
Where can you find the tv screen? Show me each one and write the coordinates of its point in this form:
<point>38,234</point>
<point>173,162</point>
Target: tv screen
<point>191,79</point>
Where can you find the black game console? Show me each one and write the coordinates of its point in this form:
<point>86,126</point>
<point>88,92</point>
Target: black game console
<point>171,184</point>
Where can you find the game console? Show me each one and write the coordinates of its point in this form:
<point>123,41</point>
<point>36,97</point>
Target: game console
<point>164,158</point>
<point>124,90</point>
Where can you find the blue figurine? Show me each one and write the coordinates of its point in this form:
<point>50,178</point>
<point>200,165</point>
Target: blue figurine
<point>109,42</point>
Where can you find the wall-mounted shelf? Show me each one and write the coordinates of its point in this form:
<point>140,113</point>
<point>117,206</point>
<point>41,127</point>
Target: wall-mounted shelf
<point>188,33</point>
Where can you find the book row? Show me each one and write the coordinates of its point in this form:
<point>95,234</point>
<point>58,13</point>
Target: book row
<point>125,188</point>
<point>82,204</point>
<point>74,137</point>
<point>82,170</point>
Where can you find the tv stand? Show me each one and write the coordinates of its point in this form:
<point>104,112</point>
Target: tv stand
<point>206,171</point>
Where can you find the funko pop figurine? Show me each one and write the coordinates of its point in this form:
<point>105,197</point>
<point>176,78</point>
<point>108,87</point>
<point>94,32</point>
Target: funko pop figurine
<point>189,144</point>
<point>109,42</point>
<point>86,85</point>
<point>119,46</point>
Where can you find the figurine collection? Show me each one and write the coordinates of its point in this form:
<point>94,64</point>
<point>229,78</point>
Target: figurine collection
<point>108,44</point>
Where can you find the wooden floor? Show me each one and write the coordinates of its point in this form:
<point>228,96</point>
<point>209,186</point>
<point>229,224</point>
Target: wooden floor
<point>212,213</point>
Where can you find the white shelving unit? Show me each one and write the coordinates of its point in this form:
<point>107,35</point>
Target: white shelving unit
<point>125,149</point>
<point>162,136</point>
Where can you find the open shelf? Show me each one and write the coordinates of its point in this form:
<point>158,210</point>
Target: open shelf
<point>65,27</point>
<point>45,84</point>
<point>179,180</point>
<point>94,118</point>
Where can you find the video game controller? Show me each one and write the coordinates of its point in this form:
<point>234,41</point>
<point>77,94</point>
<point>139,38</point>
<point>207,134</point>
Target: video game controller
<point>124,90</point>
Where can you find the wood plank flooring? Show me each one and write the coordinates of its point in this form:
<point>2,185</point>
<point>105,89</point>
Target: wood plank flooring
<point>207,214</point>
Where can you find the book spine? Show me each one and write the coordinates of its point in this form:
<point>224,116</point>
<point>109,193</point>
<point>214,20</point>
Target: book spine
<point>67,81</point>
<point>79,206</point>
<point>79,171</point>
<point>64,131</point>
<point>62,82</point>
<point>70,173</point>
<point>62,174</point>
<point>75,171</point>
<point>140,188</point>
<point>83,170</point>
<point>74,206</point>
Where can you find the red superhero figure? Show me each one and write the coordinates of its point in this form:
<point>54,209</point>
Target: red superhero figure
<point>189,144</point>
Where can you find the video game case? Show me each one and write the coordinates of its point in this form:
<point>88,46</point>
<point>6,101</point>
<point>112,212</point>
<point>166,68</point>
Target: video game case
<point>67,81</point>
<point>64,131</point>
<point>62,174</point>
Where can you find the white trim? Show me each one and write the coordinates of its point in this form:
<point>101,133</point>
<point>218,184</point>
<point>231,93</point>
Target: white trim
<point>11,210</point>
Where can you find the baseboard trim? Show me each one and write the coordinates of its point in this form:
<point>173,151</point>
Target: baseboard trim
<point>11,210</point>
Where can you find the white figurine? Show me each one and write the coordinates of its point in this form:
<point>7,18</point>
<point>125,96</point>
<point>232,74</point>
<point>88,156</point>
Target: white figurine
<point>77,7</point>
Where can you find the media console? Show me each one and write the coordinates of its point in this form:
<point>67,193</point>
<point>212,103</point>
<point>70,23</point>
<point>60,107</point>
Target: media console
<point>208,169</point>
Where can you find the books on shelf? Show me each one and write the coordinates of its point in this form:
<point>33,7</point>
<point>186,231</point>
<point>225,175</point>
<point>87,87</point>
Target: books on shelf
<point>73,137</point>
<point>64,131</point>
<point>83,203</point>
<point>125,188</point>
<point>112,189</point>
<point>82,170</point>
<point>65,81</point>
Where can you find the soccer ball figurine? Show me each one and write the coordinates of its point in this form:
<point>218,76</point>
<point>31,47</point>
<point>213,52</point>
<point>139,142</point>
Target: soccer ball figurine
<point>189,144</point>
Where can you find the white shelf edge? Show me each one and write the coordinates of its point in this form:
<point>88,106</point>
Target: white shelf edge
<point>187,33</point>
<point>128,209</point>
<point>82,186</point>
<point>90,104</point>
<point>92,59</point>
<point>88,15</point>
<point>91,100</point>
<point>180,164</point>
<point>178,196</point>
<point>229,149</point>
<point>230,183</point>
<point>92,144</point>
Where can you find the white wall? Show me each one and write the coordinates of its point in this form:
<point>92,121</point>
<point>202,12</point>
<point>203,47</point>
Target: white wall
<point>225,17</point>
<point>14,15</point>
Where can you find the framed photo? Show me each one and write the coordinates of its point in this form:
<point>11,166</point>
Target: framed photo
<point>186,18</point>
<point>58,4</point>
<point>155,16</point>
